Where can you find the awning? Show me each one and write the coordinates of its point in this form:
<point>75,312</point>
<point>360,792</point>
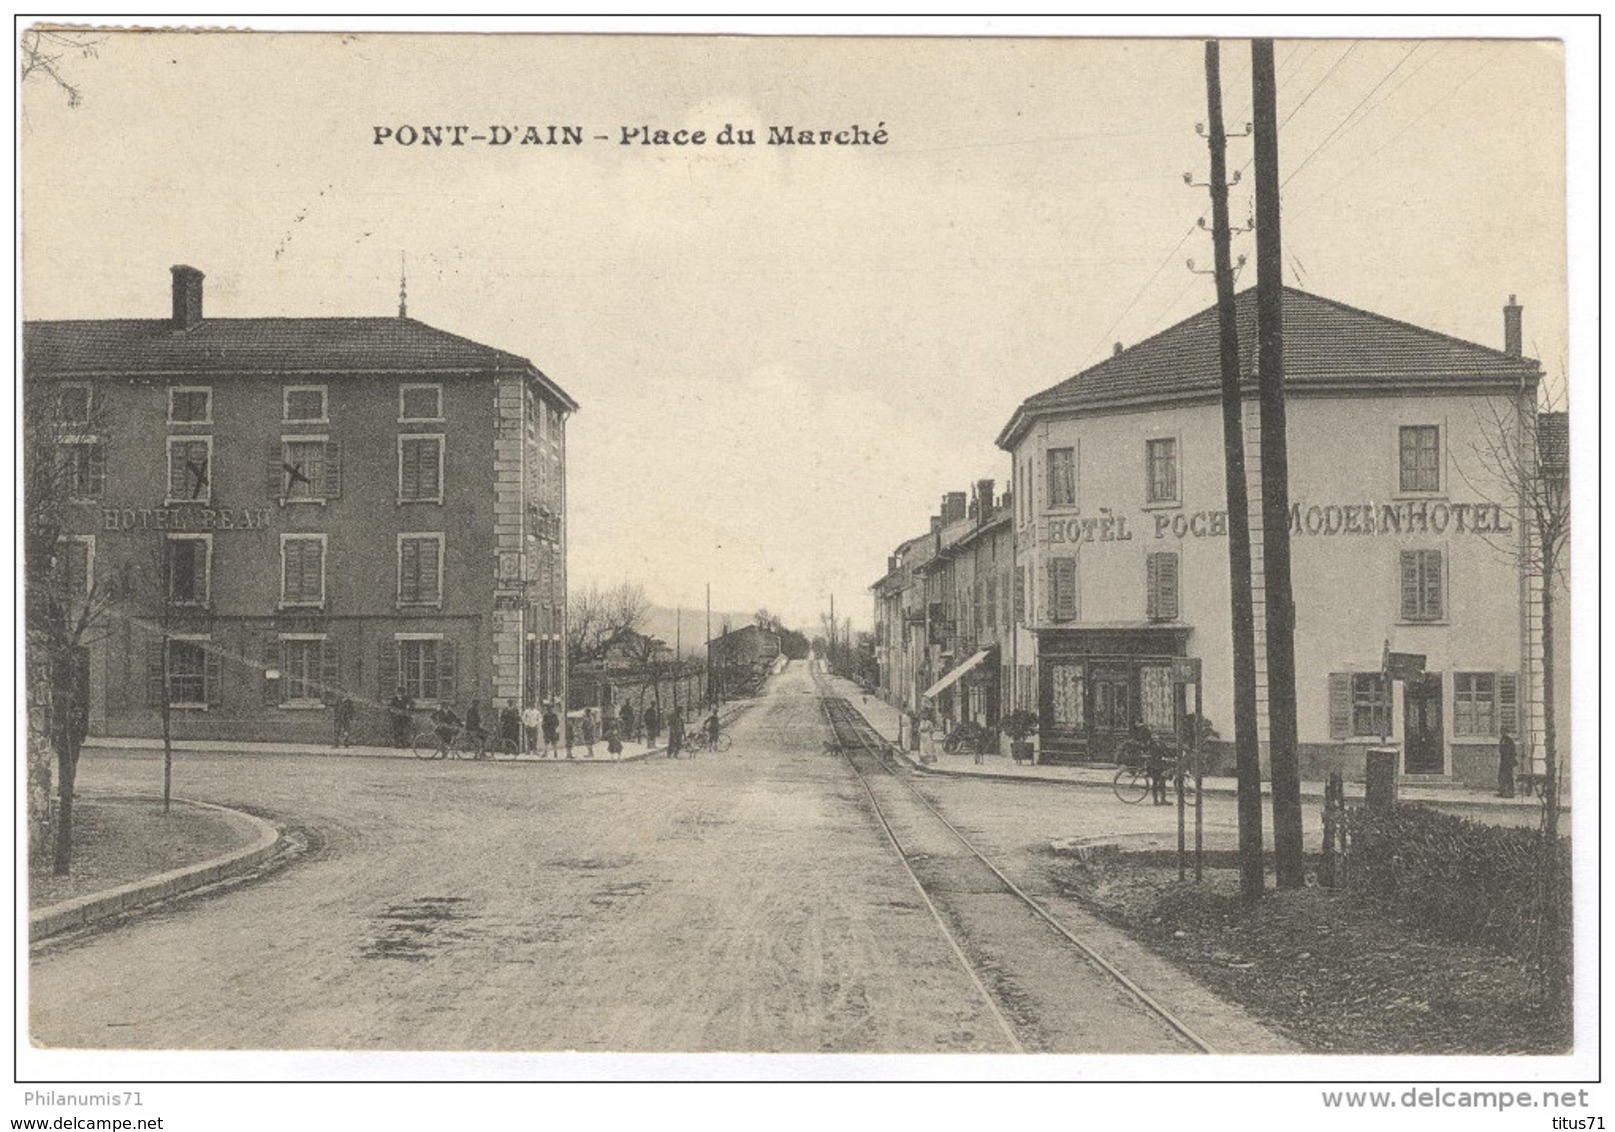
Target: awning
<point>956,672</point>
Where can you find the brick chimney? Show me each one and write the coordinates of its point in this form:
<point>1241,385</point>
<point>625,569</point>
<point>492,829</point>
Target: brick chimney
<point>187,297</point>
<point>984,499</point>
<point>1511,329</point>
<point>953,507</point>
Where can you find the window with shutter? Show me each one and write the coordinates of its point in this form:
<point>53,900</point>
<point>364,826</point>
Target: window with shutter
<point>1062,467</point>
<point>190,404</point>
<point>1161,586</point>
<point>420,569</point>
<point>1340,705</point>
<point>1508,702</point>
<point>1421,585</point>
<point>190,460</point>
<point>387,682</point>
<point>1474,703</point>
<point>420,469</point>
<point>189,562</point>
<point>420,403</point>
<point>1370,705</point>
<point>305,403</point>
<point>1020,595</point>
<point>302,570</point>
<point>1161,459</point>
<point>1063,581</point>
<point>303,470</point>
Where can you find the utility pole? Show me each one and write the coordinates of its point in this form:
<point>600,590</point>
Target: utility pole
<point>1289,866</point>
<point>710,698</point>
<point>832,632</point>
<point>1247,755</point>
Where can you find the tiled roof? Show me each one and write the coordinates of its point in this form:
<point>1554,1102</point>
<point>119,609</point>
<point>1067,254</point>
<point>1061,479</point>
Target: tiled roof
<point>1553,440</point>
<point>254,345</point>
<point>1326,343</point>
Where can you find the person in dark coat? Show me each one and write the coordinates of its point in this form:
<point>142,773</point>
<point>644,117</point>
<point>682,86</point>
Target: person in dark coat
<point>588,730</point>
<point>552,732</point>
<point>1506,761</point>
<point>629,718</point>
<point>653,725</point>
<point>675,733</point>
<point>474,730</point>
<point>398,712</point>
<point>613,731</point>
<point>342,720</point>
<point>510,728</point>
<point>1154,762</point>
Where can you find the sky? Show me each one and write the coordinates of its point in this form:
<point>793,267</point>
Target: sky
<point>785,355</point>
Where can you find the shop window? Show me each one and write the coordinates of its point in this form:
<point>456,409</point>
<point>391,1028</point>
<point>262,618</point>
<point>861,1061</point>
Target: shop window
<point>305,404</point>
<point>302,570</point>
<point>1422,582</point>
<point>1062,464</point>
<point>190,404</point>
<point>425,668</point>
<point>190,466</point>
<point>420,403</point>
<point>1161,586</point>
<point>1420,458</point>
<point>190,560</point>
<point>420,469</point>
<point>1359,705</point>
<point>84,467</point>
<point>1161,459</point>
<point>1063,588</point>
<point>420,569</point>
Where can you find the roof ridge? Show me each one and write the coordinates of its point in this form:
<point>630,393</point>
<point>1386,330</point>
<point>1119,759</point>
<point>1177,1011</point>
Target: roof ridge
<point>1415,327</point>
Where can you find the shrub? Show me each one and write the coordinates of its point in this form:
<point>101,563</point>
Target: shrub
<point>1466,880</point>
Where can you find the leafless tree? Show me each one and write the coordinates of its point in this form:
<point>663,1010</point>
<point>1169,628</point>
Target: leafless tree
<point>67,607</point>
<point>1523,453</point>
<point>43,51</point>
<point>598,619</point>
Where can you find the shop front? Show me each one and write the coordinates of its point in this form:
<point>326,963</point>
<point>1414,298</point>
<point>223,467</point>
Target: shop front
<point>1095,684</point>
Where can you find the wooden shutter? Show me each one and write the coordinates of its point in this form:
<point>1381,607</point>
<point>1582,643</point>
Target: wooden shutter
<point>1410,585</point>
<point>386,669</point>
<point>1020,595</point>
<point>312,566</point>
<point>1340,705</point>
<point>291,570</point>
<point>154,673</point>
<point>409,554</point>
<point>274,474</point>
<point>333,469</point>
<point>446,672</point>
<point>431,478</point>
<point>331,671</point>
<point>1166,579</point>
<point>1152,586</point>
<point>1432,584</point>
<point>1064,580</point>
<point>212,677</point>
<point>409,470</point>
<point>272,663</point>
<point>430,583</point>
<point>1508,702</point>
<point>96,469</point>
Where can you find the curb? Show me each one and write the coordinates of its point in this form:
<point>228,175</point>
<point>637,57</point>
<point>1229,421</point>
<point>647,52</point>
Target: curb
<point>1477,804</point>
<point>82,910</point>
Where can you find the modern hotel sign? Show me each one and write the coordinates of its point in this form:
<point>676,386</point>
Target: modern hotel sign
<point>1416,517</point>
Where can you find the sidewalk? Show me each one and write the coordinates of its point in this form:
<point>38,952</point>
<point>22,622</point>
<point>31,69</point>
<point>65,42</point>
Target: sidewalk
<point>632,751</point>
<point>883,718</point>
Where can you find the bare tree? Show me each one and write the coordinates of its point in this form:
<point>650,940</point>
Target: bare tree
<point>1524,452</point>
<point>649,655</point>
<point>598,619</point>
<point>43,51</point>
<point>66,605</point>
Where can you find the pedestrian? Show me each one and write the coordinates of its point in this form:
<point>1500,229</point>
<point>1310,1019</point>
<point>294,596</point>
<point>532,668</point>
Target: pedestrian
<point>1154,762</point>
<point>510,728</point>
<point>613,737</point>
<point>399,710</point>
<point>589,730</point>
<point>342,720</point>
<point>532,719</point>
<point>552,731</point>
<point>473,729</point>
<point>628,718</point>
<point>713,729</point>
<point>675,732</point>
<point>566,725</point>
<point>1506,756</point>
<point>653,725</point>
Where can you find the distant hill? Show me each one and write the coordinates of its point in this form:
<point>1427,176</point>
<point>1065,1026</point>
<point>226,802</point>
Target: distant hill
<point>665,623</point>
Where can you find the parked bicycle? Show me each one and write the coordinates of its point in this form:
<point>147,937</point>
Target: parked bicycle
<point>969,737</point>
<point>698,739</point>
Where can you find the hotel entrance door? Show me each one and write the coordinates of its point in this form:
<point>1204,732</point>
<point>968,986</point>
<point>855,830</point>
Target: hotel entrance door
<point>1112,711</point>
<point>1424,749</point>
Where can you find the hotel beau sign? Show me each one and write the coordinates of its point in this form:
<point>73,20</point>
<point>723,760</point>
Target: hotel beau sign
<point>1413,517</point>
<point>186,517</point>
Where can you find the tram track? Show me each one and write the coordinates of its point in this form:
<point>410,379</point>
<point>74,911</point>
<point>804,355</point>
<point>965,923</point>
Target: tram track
<point>1039,996</point>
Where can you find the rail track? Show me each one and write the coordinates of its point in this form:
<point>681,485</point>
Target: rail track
<point>992,924</point>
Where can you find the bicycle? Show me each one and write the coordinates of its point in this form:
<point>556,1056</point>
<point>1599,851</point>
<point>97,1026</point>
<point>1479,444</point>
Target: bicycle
<point>430,745</point>
<point>700,740</point>
<point>1132,782</point>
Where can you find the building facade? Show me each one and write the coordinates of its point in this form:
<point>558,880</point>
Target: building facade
<point>283,511</point>
<point>1403,538</point>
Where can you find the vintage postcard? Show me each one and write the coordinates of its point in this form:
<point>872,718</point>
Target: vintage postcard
<point>544,545</point>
